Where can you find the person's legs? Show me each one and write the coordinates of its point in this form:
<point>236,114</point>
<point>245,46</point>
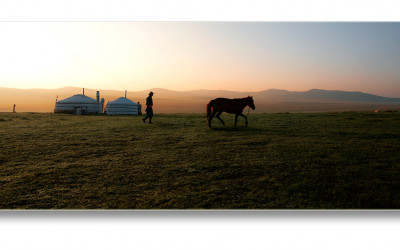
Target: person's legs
<point>150,115</point>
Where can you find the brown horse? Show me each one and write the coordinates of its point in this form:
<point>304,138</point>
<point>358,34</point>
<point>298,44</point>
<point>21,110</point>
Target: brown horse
<point>232,106</point>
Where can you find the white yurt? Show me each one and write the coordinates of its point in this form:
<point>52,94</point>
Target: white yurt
<point>122,106</point>
<point>79,104</point>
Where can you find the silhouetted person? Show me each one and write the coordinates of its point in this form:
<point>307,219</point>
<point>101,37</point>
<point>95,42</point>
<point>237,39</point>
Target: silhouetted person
<point>149,107</point>
<point>139,108</point>
<point>14,108</point>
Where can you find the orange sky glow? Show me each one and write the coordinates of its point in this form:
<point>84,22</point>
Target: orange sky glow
<point>206,55</point>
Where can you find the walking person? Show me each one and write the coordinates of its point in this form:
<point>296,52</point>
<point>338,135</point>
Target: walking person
<point>149,107</point>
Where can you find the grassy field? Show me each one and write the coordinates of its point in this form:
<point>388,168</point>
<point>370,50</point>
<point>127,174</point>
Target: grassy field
<point>298,161</point>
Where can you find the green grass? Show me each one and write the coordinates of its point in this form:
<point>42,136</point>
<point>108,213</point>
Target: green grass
<point>298,161</point>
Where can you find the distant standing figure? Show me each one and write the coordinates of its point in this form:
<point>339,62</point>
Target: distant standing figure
<point>139,108</point>
<point>14,108</point>
<point>149,108</point>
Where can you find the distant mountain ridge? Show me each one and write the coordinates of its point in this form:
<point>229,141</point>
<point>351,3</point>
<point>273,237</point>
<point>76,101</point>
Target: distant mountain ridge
<point>326,96</point>
<point>194,101</point>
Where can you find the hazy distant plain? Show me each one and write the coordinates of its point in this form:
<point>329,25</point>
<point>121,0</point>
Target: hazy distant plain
<point>169,101</point>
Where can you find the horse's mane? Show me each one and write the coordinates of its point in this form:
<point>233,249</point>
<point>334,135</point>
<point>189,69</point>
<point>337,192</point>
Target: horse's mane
<point>243,98</point>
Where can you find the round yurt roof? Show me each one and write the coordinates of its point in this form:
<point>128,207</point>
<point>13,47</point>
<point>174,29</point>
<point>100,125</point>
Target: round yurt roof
<point>78,99</point>
<point>123,101</point>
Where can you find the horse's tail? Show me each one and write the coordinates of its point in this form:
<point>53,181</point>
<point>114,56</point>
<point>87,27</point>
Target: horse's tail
<point>208,108</point>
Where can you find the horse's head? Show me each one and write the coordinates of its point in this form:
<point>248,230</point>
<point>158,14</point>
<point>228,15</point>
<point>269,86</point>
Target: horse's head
<point>250,102</point>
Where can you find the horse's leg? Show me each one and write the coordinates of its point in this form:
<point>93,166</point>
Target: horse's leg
<point>218,114</point>
<point>245,117</point>
<point>236,116</point>
<point>211,117</point>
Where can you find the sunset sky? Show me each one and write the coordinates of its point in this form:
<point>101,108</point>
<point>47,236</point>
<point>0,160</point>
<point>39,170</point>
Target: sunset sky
<point>240,56</point>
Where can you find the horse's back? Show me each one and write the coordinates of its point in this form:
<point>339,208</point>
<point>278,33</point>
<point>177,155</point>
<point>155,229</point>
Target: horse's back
<point>223,100</point>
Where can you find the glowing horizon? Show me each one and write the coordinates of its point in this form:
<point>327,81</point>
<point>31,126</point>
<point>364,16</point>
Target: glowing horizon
<point>242,56</point>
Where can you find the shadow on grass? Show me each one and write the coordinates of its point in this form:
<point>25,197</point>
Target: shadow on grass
<point>238,129</point>
<point>170,125</point>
